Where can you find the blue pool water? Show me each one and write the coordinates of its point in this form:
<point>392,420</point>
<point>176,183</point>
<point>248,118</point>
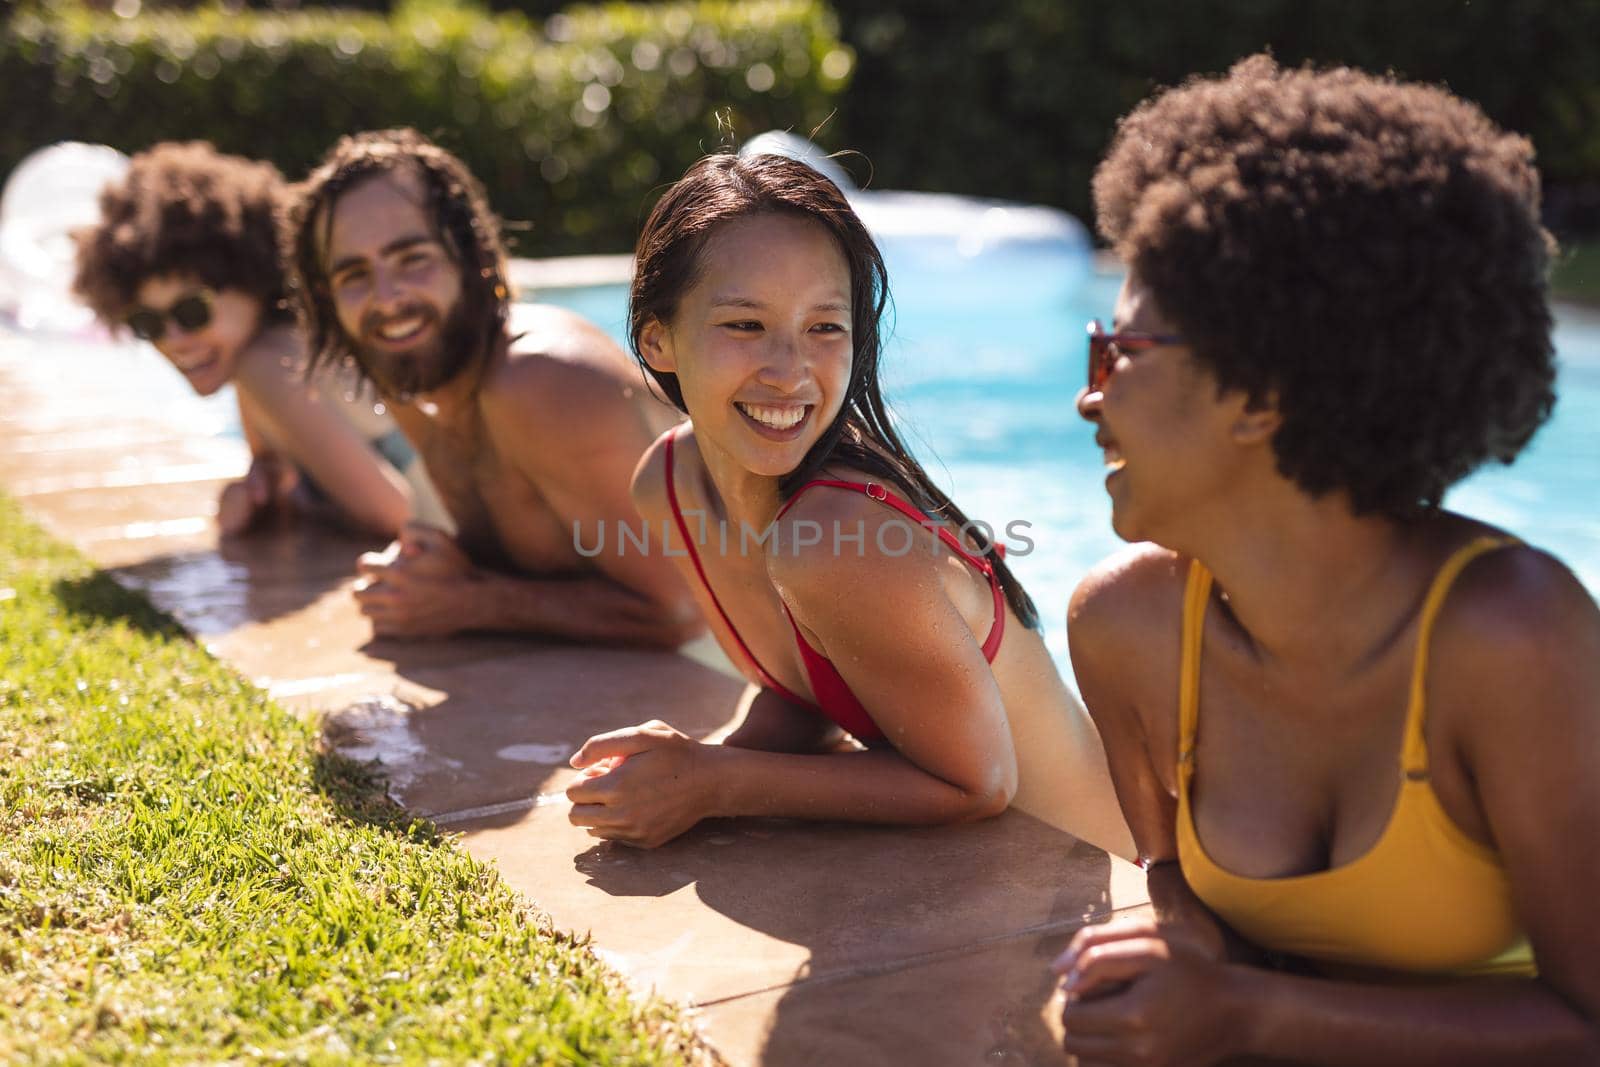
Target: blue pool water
<point>985,399</point>
<point>987,403</point>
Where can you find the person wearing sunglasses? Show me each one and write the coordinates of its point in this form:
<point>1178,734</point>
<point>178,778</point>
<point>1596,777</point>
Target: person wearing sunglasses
<point>1354,733</point>
<point>185,256</point>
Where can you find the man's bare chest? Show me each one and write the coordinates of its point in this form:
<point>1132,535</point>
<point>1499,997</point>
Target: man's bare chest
<point>502,518</point>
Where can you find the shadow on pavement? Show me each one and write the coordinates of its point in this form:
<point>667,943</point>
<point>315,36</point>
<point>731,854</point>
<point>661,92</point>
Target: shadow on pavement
<point>99,598</point>
<point>966,917</point>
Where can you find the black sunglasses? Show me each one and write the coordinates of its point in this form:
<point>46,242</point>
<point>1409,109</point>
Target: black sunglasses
<point>191,312</point>
<point>1106,348</point>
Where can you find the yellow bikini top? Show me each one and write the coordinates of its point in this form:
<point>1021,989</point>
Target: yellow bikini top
<point>1426,899</point>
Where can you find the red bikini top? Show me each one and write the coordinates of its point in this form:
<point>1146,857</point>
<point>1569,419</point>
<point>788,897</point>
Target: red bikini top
<point>835,701</point>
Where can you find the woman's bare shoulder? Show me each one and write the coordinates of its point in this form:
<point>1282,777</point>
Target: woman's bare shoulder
<point>1519,629</point>
<point>832,543</point>
<point>274,357</point>
<point>649,486</point>
<point>1132,588</point>
<point>1123,632</point>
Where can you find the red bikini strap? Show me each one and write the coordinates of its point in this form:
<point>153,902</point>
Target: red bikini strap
<point>883,495</point>
<point>694,557</point>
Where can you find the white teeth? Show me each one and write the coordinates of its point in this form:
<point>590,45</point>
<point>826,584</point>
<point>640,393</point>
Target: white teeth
<point>1113,459</point>
<point>784,418</point>
<point>400,329</point>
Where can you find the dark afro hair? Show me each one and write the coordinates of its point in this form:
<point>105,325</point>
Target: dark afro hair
<point>1364,254</point>
<point>183,208</point>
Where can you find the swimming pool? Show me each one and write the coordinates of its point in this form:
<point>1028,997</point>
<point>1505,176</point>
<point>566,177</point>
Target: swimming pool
<point>986,402</point>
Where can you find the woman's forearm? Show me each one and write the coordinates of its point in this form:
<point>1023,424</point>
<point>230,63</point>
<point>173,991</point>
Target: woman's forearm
<point>772,723</point>
<point>1461,1024</point>
<point>1176,905</point>
<point>1310,1020</point>
<point>872,786</point>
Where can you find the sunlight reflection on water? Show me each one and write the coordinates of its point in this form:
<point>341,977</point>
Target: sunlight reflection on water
<point>987,404</point>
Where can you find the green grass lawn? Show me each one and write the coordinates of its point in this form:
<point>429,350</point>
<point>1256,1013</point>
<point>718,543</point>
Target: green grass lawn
<point>1576,274</point>
<point>185,878</point>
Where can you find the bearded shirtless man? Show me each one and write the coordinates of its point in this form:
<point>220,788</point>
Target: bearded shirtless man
<point>530,435</point>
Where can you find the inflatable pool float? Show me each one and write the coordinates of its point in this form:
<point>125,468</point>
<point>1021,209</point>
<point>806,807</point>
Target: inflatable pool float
<point>958,253</point>
<point>51,193</point>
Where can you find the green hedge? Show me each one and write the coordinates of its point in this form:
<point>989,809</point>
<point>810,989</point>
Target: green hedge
<point>1019,98</point>
<point>572,124</point>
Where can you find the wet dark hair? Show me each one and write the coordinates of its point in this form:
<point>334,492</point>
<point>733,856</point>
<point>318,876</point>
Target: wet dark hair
<point>722,188</point>
<point>456,205</point>
<point>1365,254</point>
<point>183,208</point>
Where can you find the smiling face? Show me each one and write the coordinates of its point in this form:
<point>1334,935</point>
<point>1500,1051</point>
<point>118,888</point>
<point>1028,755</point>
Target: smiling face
<point>395,287</point>
<point>206,355</point>
<point>761,343</point>
<point>1173,445</point>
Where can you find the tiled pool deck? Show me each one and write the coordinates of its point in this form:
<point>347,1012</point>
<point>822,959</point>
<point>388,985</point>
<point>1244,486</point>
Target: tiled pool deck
<point>791,942</point>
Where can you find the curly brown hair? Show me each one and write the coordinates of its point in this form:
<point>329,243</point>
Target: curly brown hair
<point>1365,254</point>
<point>184,208</point>
<point>457,205</point>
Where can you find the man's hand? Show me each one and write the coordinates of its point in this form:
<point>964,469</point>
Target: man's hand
<point>420,586</point>
<point>266,487</point>
<point>1139,993</point>
<point>642,786</point>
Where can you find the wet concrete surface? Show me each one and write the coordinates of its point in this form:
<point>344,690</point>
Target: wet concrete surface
<point>794,942</point>
<point>992,1003</point>
<point>499,730</point>
<point>740,906</point>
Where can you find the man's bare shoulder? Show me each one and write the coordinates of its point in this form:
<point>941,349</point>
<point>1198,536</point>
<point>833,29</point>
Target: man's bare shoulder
<point>561,372</point>
<point>563,338</point>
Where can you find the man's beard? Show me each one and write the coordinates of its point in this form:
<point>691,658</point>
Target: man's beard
<point>400,376</point>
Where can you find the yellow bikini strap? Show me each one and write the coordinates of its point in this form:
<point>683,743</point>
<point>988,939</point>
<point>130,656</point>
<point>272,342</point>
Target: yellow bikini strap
<point>1196,593</point>
<point>1414,756</point>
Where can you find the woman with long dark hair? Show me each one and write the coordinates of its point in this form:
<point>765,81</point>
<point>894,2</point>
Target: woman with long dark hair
<point>896,673</point>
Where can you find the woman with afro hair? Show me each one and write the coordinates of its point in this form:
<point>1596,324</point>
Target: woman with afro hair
<point>1355,734</point>
<point>185,256</point>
